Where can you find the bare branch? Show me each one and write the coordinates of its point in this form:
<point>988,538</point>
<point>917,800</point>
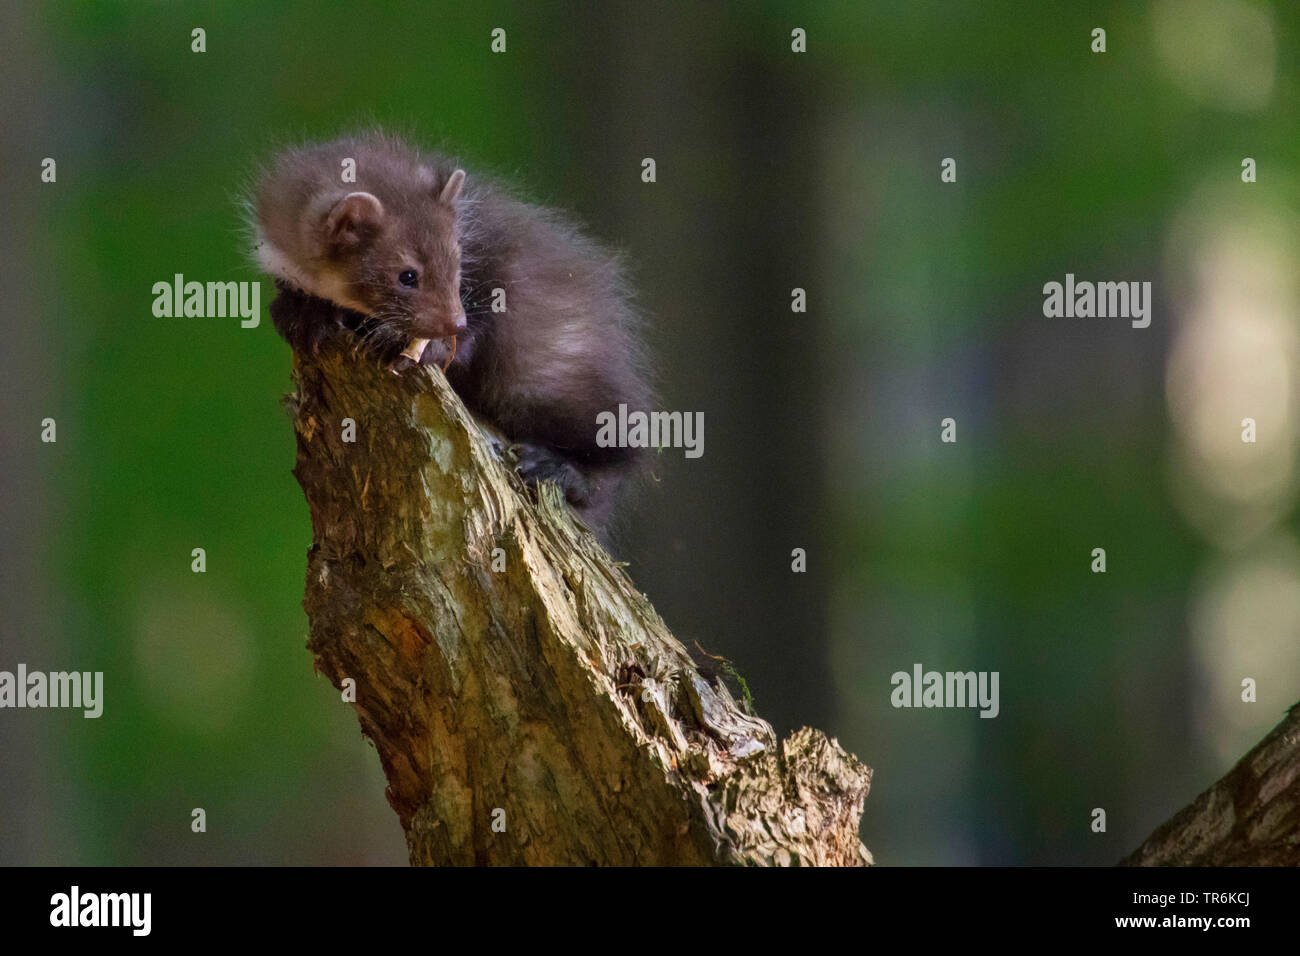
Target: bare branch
<point>1251,817</point>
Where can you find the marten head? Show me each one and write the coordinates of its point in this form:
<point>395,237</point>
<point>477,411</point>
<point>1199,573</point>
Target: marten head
<point>400,266</point>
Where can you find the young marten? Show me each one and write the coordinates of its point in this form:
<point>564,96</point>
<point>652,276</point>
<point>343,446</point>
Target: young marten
<point>414,249</point>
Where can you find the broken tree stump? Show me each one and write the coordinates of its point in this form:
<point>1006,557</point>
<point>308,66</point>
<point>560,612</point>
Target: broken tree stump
<point>540,713</point>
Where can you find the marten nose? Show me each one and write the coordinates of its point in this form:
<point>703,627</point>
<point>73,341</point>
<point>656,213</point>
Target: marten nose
<point>441,324</point>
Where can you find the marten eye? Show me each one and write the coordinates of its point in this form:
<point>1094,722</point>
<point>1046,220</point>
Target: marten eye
<point>409,278</point>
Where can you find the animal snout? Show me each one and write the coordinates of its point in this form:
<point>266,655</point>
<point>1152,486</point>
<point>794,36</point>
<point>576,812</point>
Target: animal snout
<point>442,325</point>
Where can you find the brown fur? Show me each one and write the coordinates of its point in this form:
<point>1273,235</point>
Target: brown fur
<point>566,347</point>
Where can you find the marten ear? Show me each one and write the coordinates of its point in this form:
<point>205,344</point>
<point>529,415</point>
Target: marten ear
<point>455,183</point>
<point>352,217</point>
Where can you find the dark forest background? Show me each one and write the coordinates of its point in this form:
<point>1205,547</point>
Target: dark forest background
<point>776,170</point>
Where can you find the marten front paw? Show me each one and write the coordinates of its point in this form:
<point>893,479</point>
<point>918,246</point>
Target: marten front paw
<point>304,321</point>
<point>537,463</point>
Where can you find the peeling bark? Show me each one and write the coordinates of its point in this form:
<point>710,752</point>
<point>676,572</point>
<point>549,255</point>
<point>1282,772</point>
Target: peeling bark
<point>551,690</point>
<point>1251,817</point>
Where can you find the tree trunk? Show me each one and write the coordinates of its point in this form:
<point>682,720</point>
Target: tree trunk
<point>530,707</point>
<point>1249,818</point>
<point>527,703</point>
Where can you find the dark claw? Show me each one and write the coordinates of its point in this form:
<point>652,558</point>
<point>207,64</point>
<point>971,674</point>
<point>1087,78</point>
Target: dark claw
<point>537,463</point>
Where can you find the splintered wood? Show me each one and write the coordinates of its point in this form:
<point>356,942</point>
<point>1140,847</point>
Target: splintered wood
<point>415,351</point>
<point>551,689</point>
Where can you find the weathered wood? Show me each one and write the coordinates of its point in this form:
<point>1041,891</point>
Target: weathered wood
<point>1251,817</point>
<point>550,690</point>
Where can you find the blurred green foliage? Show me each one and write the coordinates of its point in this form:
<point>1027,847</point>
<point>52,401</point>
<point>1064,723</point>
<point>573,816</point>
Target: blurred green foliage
<point>776,171</point>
